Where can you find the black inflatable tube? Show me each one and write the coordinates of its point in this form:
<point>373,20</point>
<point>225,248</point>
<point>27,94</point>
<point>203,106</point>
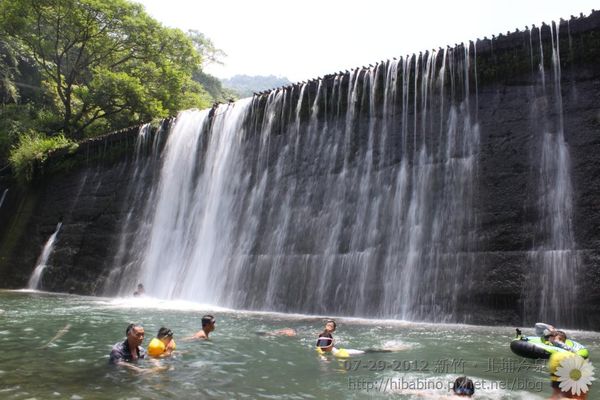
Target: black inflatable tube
<point>524,348</point>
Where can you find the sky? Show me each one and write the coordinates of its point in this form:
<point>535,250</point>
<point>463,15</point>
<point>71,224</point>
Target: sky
<point>306,39</point>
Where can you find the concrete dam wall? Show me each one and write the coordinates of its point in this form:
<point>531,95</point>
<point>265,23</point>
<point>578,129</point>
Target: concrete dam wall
<point>456,185</point>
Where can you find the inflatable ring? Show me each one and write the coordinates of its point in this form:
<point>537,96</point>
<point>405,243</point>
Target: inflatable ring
<point>157,348</point>
<point>534,347</point>
<point>340,353</point>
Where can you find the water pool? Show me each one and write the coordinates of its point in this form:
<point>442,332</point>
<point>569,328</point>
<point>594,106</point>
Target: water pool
<point>238,363</point>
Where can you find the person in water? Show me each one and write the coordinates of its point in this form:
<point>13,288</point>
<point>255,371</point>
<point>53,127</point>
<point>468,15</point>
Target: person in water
<point>554,362</point>
<point>463,387</point>
<point>325,340</point>
<point>130,350</point>
<point>163,344</point>
<point>544,331</point>
<point>552,336</point>
<point>208,325</point>
<point>279,332</point>
<point>558,339</point>
<point>140,290</point>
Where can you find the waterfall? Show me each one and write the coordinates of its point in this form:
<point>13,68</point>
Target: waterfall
<point>42,260</point>
<point>554,257</point>
<point>335,196</point>
<point>353,194</point>
<point>147,152</point>
<point>428,266</point>
<point>3,196</point>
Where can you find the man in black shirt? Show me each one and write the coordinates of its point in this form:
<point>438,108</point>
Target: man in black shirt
<point>130,350</point>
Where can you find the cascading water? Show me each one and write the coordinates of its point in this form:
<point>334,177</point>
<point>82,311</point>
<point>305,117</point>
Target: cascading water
<point>554,257</point>
<point>146,164</point>
<point>42,261</point>
<point>3,196</point>
<point>351,196</point>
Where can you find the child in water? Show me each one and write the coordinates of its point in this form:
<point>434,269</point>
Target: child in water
<point>325,340</point>
<point>163,344</point>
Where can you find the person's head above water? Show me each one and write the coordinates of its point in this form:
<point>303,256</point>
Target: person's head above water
<point>140,290</point>
<point>208,322</point>
<point>560,335</point>
<point>555,336</point>
<point>129,350</point>
<point>208,325</point>
<point>325,340</point>
<point>135,334</point>
<point>463,386</point>
<point>330,326</point>
<point>165,334</point>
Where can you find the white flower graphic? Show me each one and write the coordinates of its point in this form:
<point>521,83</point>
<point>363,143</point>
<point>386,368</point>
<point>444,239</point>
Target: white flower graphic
<point>575,374</point>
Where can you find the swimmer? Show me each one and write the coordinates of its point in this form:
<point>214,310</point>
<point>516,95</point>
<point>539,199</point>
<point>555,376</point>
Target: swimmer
<point>463,387</point>
<point>325,340</point>
<point>125,354</point>
<point>558,338</point>
<point>163,344</point>
<point>554,363</point>
<point>280,332</point>
<point>130,350</point>
<point>208,325</point>
<point>140,290</point>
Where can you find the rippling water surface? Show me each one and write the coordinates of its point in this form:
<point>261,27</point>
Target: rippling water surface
<point>239,363</point>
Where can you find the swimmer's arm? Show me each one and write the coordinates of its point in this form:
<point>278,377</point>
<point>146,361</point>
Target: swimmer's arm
<point>567,347</point>
<point>155,362</point>
<point>129,366</point>
<point>562,346</point>
<point>200,335</point>
<point>168,351</point>
<point>171,353</point>
<point>135,368</point>
<point>192,338</point>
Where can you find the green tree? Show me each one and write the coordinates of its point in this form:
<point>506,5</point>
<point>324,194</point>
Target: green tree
<point>206,48</point>
<point>214,87</point>
<point>210,55</point>
<point>106,63</point>
<point>8,71</point>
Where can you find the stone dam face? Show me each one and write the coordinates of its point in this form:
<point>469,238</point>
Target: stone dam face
<point>457,185</point>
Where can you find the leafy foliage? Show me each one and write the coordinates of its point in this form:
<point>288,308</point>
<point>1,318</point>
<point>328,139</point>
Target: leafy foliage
<point>215,88</point>
<point>206,48</point>
<point>81,68</point>
<point>106,60</point>
<point>33,149</point>
<point>8,71</point>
